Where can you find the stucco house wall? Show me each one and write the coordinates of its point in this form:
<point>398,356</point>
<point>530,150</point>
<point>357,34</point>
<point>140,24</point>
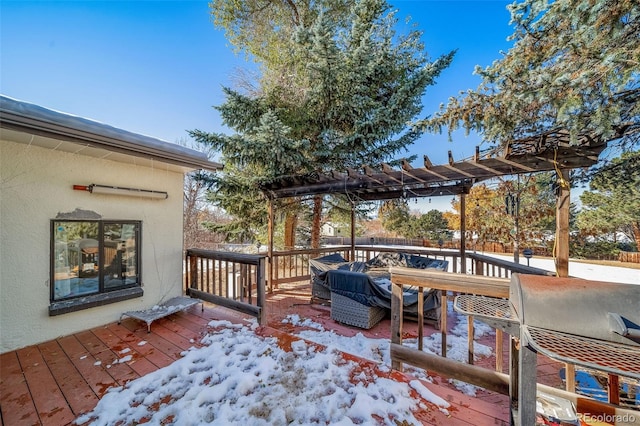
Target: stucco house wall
<point>36,186</point>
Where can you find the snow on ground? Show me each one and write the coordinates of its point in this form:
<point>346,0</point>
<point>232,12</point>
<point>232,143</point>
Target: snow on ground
<point>580,269</point>
<point>378,349</point>
<point>587,271</point>
<point>242,378</point>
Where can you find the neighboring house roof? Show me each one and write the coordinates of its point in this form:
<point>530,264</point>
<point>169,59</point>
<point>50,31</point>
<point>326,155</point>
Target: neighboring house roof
<point>70,133</point>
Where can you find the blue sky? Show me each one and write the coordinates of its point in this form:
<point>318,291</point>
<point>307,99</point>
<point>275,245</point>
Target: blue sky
<point>158,67</point>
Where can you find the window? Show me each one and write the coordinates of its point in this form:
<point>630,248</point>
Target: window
<point>91,257</point>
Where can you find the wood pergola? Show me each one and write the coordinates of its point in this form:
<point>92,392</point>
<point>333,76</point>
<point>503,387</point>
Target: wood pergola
<point>551,151</point>
<point>384,182</point>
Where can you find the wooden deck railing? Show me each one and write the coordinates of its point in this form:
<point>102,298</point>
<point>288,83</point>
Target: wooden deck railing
<point>293,265</point>
<point>233,280</point>
<point>494,283</point>
<point>237,280</point>
<point>365,253</point>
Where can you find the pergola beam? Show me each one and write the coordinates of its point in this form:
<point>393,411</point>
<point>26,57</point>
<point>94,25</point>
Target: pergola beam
<point>546,152</point>
<point>455,189</point>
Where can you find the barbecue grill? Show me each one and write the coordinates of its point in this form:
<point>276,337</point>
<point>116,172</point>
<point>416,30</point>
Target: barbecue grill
<point>587,323</point>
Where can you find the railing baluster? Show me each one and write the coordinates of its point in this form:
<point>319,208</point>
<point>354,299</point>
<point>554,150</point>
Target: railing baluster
<point>207,273</point>
<point>216,271</point>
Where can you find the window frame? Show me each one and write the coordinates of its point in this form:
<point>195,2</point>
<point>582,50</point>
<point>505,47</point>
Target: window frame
<point>104,295</point>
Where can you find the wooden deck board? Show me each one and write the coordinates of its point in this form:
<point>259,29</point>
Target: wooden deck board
<point>16,403</point>
<point>138,363</point>
<point>74,387</point>
<point>95,374</point>
<point>476,411</point>
<point>165,331</point>
<point>120,371</point>
<point>153,338</point>
<point>51,406</point>
<point>158,358</point>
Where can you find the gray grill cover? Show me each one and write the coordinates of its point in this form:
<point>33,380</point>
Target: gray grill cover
<point>575,306</point>
<point>364,281</point>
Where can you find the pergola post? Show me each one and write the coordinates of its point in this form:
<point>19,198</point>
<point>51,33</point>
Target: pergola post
<point>562,224</point>
<point>463,233</point>
<point>353,231</point>
<point>270,248</point>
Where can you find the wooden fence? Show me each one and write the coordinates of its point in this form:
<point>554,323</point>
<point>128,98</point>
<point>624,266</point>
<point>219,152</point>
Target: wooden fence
<point>471,245</point>
<point>629,257</point>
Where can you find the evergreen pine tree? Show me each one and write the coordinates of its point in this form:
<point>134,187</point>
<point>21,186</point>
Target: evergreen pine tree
<point>574,65</point>
<point>351,86</point>
<point>613,204</point>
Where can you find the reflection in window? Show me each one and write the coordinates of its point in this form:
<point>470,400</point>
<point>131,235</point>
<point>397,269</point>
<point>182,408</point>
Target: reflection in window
<point>120,255</point>
<point>91,257</point>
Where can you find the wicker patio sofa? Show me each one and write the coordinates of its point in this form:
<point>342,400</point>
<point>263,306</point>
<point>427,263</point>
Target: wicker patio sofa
<point>360,292</point>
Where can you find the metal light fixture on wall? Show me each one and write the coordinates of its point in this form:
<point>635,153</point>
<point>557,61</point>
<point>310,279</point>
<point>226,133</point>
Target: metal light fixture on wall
<point>119,190</point>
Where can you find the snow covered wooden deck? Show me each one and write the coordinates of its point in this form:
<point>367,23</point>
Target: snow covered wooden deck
<point>54,382</point>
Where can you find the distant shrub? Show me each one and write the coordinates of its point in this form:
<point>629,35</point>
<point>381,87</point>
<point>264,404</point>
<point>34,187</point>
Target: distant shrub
<point>583,249</point>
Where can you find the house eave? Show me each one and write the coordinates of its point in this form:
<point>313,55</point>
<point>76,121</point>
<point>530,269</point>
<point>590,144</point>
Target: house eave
<point>32,119</point>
